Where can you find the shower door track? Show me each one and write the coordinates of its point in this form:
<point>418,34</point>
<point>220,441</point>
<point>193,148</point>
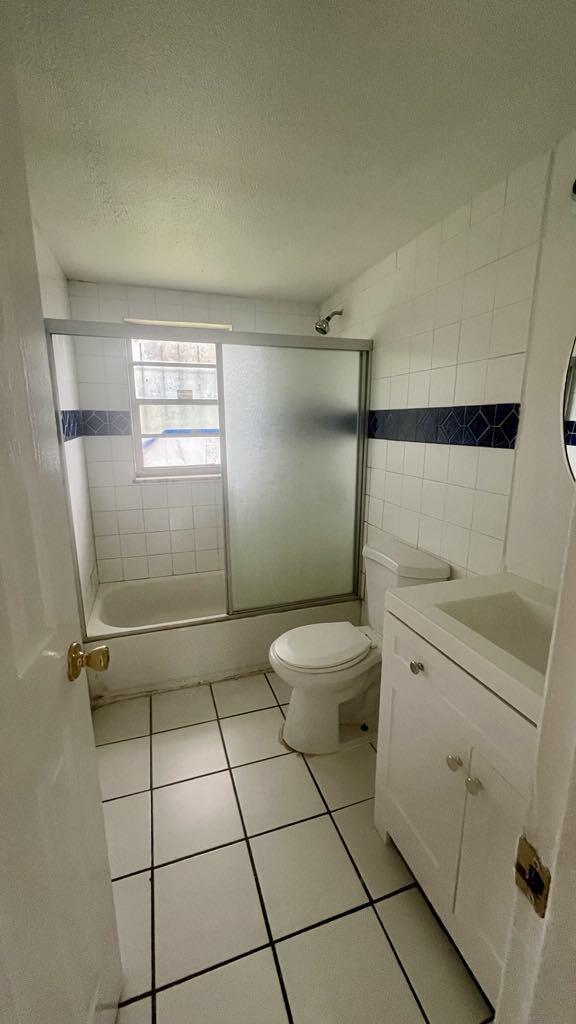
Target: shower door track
<point>97,329</point>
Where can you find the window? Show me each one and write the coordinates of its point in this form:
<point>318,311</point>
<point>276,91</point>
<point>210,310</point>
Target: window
<point>174,386</point>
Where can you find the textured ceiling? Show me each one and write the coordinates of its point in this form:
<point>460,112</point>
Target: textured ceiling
<point>275,148</point>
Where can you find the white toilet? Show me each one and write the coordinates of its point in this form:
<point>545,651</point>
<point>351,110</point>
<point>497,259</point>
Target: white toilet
<point>330,663</point>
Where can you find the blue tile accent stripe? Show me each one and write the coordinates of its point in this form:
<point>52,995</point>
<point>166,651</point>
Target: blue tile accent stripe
<point>570,431</point>
<point>95,423</point>
<point>480,426</point>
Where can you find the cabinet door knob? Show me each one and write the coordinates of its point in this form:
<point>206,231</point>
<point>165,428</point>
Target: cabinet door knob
<point>454,762</point>
<point>473,785</point>
<point>416,667</point>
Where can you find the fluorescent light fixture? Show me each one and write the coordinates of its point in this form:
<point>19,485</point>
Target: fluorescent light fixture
<point>177,323</point>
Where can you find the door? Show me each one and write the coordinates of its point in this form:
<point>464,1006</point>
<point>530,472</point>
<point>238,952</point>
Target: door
<point>496,804</point>
<point>59,961</point>
<point>292,436</point>
<point>422,753</point>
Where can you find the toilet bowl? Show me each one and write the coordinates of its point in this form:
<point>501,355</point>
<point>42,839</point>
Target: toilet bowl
<point>329,664</point>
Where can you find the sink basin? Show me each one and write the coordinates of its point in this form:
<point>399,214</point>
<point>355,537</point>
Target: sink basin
<point>515,623</point>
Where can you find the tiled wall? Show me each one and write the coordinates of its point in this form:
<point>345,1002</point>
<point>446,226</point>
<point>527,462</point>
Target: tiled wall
<point>154,528</point>
<point>55,303</point>
<point>450,315</point>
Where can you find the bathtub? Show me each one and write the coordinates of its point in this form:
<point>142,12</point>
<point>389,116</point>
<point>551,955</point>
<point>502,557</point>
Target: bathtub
<point>173,629</point>
<point>157,602</point>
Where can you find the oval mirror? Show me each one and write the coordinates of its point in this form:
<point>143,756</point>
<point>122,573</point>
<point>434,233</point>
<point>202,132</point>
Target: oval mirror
<point>570,413</point>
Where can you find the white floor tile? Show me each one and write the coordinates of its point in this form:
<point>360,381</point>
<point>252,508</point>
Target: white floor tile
<point>194,816</point>
<point>305,875</point>
<point>346,776</point>
<point>276,792</point>
<point>244,992</point>
<point>182,707</point>
<point>442,983</point>
<point>123,720</point>
<point>379,863</point>
<point>132,902</point>
<point>185,753</point>
<point>236,696</point>
<point>127,824</point>
<point>281,689</point>
<point>124,768</point>
<point>254,736</point>
<point>207,910</point>
<point>136,1013</point>
<point>344,972</point>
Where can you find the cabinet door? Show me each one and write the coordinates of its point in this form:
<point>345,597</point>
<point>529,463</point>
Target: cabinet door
<point>493,820</point>
<point>419,799</point>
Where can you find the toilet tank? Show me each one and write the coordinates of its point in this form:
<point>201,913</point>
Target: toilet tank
<point>396,564</point>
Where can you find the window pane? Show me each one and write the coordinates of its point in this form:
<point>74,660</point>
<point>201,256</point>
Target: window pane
<point>156,419</point>
<point>173,352</point>
<point>180,451</point>
<point>175,382</point>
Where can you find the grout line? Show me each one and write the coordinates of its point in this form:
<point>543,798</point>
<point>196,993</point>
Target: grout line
<point>401,966</point>
<point>212,967</point>
<point>135,999</point>
<point>326,920</point>
<point>127,739</point>
<point>152,879</point>
<point>395,892</point>
<point>257,884</point>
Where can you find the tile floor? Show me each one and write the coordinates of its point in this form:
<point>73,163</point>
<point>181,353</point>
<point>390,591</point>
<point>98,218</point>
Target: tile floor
<point>250,884</point>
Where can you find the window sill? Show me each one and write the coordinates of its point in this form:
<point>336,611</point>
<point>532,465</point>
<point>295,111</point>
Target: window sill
<point>178,477</point>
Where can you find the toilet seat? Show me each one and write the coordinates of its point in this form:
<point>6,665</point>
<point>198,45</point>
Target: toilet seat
<point>322,647</point>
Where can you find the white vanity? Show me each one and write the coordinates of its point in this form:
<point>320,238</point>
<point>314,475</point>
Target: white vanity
<point>463,667</point>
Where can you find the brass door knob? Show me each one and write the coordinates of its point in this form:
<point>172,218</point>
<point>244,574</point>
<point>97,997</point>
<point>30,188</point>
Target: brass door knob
<point>474,786</point>
<point>97,659</point>
<point>416,667</point>
<point>454,762</point>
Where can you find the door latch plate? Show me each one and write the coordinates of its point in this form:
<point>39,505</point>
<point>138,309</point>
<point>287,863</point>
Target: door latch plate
<point>532,876</point>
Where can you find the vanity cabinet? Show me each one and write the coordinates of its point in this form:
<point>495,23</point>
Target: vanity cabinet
<point>454,771</point>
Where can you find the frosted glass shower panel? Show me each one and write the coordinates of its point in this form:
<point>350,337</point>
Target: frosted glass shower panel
<point>291,419</point>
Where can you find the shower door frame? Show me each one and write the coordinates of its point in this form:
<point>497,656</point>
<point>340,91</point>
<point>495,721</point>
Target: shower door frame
<point>219,337</point>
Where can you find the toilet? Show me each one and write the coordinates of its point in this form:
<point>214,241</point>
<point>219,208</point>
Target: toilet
<point>332,665</point>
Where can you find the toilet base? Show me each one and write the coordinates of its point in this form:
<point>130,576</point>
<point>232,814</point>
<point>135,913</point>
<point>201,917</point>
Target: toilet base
<point>312,723</point>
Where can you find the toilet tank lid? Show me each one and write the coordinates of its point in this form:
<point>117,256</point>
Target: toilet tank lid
<point>412,563</point>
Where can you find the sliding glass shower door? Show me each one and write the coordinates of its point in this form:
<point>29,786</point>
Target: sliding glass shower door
<point>292,435</point>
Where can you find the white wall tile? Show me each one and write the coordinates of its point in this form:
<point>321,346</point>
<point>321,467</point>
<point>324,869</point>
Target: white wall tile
<point>374,510</point>
<point>160,565</point>
<point>510,328</point>
<point>484,241</point>
<point>393,493</point>
<point>411,495</point>
<point>131,521</point>
<point>158,543</point>
<point>463,465</point>
<point>436,462</point>
<point>184,562</point>
<point>475,338</point>
<point>459,505</point>
<point>522,221</point>
<point>430,534</point>
<point>527,177</point>
<point>490,511</point>
<point>485,554</point>
<point>135,568</point>
<point>399,392</point>
<point>110,570</point>
<point>445,345</point>
<point>396,453</point>
<point>377,483</point>
<point>470,383</point>
<point>104,523</point>
<point>156,520</point>
<point>129,496</point>
<point>516,276</point>
<point>495,468</point>
<point>414,458</point>
<point>421,352</point>
<point>442,385</point>
<point>181,519</point>
<point>452,258</point>
<point>449,303</point>
<point>182,540</point>
<point>479,291</point>
<point>418,389</point>
<point>108,546</point>
<point>425,310</point>
<point>207,561</point>
<point>102,499</point>
<point>132,544</point>
<point>504,379</point>
<point>455,544</point>
<point>433,502</point>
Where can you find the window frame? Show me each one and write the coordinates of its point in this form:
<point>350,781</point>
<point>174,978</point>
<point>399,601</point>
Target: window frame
<point>143,472</point>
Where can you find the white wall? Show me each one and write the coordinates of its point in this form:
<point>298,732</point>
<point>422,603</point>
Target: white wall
<point>450,315</point>
<point>55,303</point>
<point>146,528</point>
<point>543,488</point>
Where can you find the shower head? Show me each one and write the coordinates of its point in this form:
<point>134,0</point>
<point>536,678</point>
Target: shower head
<point>322,326</point>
